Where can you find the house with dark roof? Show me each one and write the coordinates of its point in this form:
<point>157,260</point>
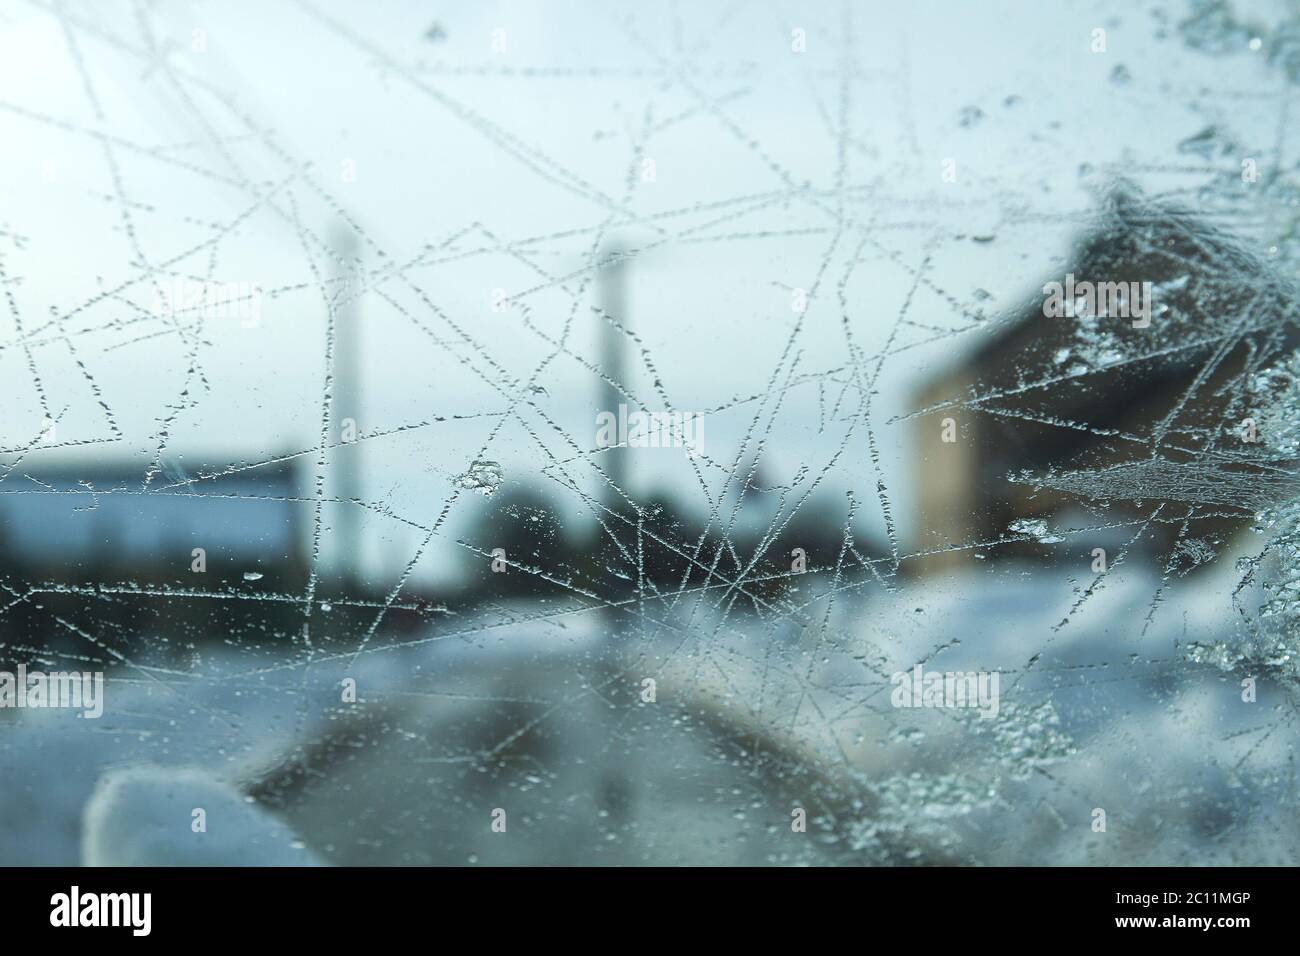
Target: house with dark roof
<point>1059,409</point>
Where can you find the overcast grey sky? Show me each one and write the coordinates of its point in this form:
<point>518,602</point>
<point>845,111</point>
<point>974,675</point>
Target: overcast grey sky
<point>472,161</point>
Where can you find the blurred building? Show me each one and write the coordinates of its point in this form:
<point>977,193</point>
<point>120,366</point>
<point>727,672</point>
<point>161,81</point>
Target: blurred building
<point>1053,400</point>
<point>100,522</point>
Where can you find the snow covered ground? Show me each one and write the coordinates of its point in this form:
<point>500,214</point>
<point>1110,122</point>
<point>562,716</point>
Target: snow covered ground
<point>543,721</point>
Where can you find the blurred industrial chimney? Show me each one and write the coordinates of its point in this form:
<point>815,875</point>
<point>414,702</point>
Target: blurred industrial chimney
<point>616,788</point>
<point>613,345</point>
<point>346,412</point>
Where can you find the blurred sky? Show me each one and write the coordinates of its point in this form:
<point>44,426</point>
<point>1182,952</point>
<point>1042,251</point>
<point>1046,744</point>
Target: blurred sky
<point>477,170</point>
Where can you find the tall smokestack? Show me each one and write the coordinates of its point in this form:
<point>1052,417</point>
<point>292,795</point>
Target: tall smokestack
<point>612,301</point>
<point>616,789</point>
<point>349,424</point>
